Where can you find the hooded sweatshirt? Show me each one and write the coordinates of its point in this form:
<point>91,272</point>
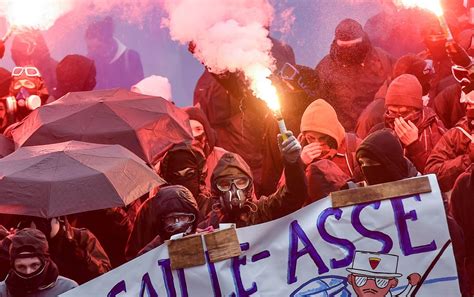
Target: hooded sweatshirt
<point>287,199</point>
<point>321,117</point>
<point>213,152</point>
<point>32,242</point>
<point>383,147</point>
<point>148,224</point>
<point>75,73</point>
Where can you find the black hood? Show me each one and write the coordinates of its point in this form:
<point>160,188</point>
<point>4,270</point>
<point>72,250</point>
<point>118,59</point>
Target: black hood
<point>382,146</point>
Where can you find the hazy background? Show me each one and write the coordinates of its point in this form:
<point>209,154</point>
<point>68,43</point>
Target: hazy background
<point>310,35</point>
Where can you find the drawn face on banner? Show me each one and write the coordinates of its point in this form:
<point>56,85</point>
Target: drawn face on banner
<point>371,286</point>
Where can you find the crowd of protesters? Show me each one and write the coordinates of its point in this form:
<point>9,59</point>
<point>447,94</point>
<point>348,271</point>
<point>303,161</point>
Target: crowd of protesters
<point>382,105</point>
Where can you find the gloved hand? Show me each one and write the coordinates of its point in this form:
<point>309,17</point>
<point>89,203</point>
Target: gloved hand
<point>289,148</point>
<point>458,55</point>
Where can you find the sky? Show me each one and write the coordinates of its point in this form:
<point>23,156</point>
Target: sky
<point>310,35</point>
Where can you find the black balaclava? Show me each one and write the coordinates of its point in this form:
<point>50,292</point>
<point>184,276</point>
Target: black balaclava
<point>29,243</point>
<point>184,165</point>
<point>412,64</point>
<point>383,147</point>
<point>348,30</point>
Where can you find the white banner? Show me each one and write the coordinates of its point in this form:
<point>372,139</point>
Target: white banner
<point>394,247</point>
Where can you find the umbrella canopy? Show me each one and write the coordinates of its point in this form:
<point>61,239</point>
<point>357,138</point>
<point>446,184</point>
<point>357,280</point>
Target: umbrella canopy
<point>6,146</point>
<point>147,126</point>
<point>72,177</point>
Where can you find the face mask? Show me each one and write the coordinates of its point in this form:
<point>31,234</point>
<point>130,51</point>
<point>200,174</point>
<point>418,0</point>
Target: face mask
<point>376,174</point>
<point>390,117</point>
<point>350,55</point>
<point>233,193</point>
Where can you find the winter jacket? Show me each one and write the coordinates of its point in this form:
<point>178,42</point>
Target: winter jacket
<point>349,89</point>
<point>149,220</point>
<point>240,123</point>
<point>78,254</point>
<point>450,157</point>
<point>62,285</point>
<point>287,199</point>
<point>448,107</point>
<point>460,206</point>
<point>112,227</point>
<point>430,130</point>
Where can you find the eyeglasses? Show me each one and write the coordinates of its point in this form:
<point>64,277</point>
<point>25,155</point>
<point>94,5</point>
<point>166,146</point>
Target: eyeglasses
<point>225,184</point>
<point>379,282</point>
<point>29,71</point>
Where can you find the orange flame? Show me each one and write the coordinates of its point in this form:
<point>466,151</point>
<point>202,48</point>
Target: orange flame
<point>432,5</point>
<point>35,14</point>
<point>262,86</point>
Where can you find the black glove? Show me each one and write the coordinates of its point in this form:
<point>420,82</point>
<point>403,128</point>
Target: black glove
<point>458,55</point>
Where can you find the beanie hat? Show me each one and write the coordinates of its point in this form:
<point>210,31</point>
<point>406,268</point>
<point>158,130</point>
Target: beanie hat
<point>321,117</point>
<point>405,90</point>
<point>349,29</point>
<point>31,241</point>
<point>154,85</point>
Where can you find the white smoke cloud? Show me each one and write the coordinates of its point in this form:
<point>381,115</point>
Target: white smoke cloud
<point>230,35</point>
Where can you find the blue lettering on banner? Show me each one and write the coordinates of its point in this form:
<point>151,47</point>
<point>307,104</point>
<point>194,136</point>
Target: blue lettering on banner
<point>167,277</point>
<point>147,287</point>
<point>297,234</point>
<point>401,218</point>
<point>117,289</point>
<point>239,286</point>
<point>216,288</point>
<point>182,283</point>
<point>384,239</point>
<point>342,243</point>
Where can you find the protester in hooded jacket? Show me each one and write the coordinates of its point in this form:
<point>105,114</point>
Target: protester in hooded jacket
<point>460,207</point>
<point>233,191</point>
<point>352,73</point>
<point>453,153</point>
<point>111,226</point>
<point>323,137</point>
<point>32,272</point>
<point>205,139</point>
<point>185,164</point>
<point>117,66</point>
<point>239,122</point>
<point>77,252</point>
<point>173,210</point>
<point>416,126</point>
<point>381,158</point>
<point>373,114</point>
<point>29,48</point>
<point>74,73</point>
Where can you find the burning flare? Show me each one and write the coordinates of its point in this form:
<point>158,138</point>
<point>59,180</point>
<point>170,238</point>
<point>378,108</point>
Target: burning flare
<point>432,5</point>
<point>34,14</point>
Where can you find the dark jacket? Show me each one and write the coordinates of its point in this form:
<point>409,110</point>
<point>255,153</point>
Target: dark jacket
<point>148,224</point>
<point>349,89</point>
<point>112,228</point>
<point>448,107</point>
<point>287,199</point>
<point>460,207</point>
<point>450,157</point>
<point>430,130</point>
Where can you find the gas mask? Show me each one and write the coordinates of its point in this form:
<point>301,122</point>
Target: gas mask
<point>234,193</point>
<point>176,223</point>
<point>26,92</point>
